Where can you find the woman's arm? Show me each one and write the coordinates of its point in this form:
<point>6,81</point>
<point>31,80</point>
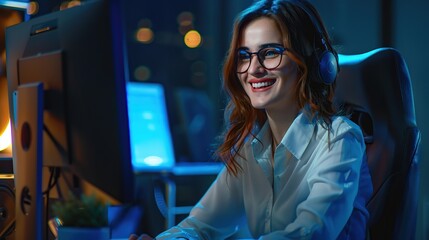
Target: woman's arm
<point>216,215</point>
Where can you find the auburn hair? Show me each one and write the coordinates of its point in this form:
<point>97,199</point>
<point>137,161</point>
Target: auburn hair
<point>300,36</point>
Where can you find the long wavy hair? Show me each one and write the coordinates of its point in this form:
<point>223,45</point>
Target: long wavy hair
<point>303,38</point>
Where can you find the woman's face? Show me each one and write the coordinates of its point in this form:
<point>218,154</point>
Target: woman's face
<point>267,89</point>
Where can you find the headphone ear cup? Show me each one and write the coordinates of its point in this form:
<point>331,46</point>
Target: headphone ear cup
<point>328,67</point>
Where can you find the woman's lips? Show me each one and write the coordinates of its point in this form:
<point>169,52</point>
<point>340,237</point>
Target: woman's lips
<point>261,84</point>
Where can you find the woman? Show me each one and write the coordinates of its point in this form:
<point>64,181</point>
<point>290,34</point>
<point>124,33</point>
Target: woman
<point>294,168</point>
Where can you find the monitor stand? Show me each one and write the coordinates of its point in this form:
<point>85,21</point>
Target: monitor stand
<point>28,161</point>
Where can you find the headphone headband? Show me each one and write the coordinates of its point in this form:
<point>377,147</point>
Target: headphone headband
<point>326,60</point>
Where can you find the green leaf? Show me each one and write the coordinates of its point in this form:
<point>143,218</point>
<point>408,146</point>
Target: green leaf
<point>86,211</point>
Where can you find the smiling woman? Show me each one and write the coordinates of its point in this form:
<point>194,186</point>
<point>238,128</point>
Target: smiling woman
<point>294,167</point>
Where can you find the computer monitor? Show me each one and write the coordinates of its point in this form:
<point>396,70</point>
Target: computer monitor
<point>67,74</point>
<point>150,135</point>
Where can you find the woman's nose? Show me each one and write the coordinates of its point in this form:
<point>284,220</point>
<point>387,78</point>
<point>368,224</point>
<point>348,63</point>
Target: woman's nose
<point>255,66</point>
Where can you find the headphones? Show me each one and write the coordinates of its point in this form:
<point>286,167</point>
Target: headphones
<point>327,63</point>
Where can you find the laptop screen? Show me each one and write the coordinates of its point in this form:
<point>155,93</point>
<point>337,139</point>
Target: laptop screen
<point>150,136</point>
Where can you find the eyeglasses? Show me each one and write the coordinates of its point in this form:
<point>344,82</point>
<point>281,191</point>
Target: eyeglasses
<point>269,57</point>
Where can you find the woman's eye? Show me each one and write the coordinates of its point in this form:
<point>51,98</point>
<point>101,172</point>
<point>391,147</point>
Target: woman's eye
<point>243,55</point>
<point>271,53</point>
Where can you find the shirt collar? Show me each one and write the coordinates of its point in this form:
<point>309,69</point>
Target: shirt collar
<point>296,138</point>
<point>299,134</point>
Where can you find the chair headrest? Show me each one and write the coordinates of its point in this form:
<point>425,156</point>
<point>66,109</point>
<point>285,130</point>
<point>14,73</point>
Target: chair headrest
<point>378,82</point>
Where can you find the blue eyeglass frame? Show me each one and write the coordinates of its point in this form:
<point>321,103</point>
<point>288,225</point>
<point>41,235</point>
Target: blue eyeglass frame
<point>260,60</point>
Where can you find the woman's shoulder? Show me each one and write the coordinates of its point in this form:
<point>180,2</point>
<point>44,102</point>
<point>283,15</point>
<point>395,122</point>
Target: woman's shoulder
<point>344,122</point>
<point>342,125</point>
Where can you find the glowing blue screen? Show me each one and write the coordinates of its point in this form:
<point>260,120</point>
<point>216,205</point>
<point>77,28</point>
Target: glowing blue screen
<point>150,137</point>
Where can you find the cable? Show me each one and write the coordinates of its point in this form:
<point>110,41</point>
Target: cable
<point>55,174</point>
<point>53,180</point>
<point>160,199</point>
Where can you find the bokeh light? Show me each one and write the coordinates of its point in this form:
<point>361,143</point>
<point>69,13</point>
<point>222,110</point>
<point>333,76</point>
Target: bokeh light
<point>142,73</point>
<point>144,35</point>
<point>186,22</point>
<point>192,39</point>
<point>32,8</point>
<point>69,4</point>
<point>74,3</point>
<point>185,18</point>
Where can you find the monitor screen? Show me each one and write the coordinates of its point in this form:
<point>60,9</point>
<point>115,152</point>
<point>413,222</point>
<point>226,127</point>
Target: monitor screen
<point>150,136</point>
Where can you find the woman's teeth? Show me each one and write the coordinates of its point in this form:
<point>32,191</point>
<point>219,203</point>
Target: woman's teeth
<point>262,84</point>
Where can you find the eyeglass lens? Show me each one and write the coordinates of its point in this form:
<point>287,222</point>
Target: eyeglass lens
<point>268,57</point>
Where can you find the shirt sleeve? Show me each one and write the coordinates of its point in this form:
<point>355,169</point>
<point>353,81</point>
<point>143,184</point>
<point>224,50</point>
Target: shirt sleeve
<point>216,215</point>
<point>333,181</point>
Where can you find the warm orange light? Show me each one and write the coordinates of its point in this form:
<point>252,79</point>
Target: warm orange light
<point>192,39</point>
<point>69,4</point>
<point>74,3</point>
<point>185,18</point>
<point>64,5</point>
<point>32,8</point>
<point>144,35</point>
<point>186,22</point>
<point>6,138</point>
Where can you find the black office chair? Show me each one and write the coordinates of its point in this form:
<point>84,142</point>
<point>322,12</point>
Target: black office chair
<point>376,88</point>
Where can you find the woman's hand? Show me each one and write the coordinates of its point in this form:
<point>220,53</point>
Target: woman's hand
<point>142,237</point>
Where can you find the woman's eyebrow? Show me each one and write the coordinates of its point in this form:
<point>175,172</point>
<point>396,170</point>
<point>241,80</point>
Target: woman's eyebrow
<point>270,45</point>
<point>264,45</point>
<point>243,48</point>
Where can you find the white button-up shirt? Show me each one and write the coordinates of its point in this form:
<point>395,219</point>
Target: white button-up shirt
<point>318,180</point>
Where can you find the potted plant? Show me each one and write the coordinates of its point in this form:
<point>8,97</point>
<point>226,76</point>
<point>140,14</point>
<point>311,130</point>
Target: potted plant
<point>83,217</point>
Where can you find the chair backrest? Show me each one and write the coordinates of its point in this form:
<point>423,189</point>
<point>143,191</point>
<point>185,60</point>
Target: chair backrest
<point>376,88</point>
